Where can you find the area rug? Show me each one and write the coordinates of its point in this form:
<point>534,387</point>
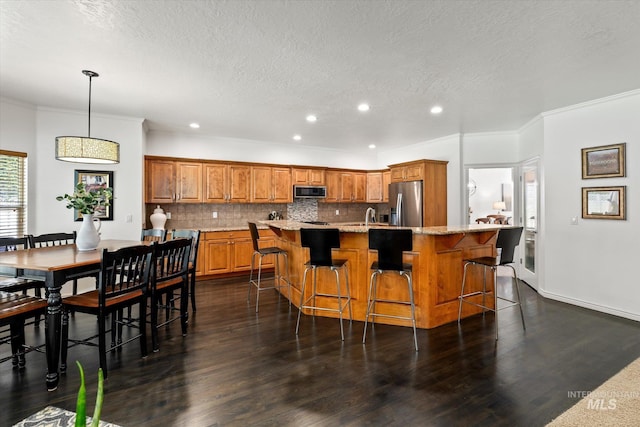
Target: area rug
<point>614,403</point>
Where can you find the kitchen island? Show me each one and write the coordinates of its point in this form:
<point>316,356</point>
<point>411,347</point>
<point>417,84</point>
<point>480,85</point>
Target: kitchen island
<point>437,258</point>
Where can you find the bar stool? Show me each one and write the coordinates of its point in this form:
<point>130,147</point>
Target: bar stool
<point>320,241</point>
<point>262,252</point>
<point>508,240</point>
<point>390,244</point>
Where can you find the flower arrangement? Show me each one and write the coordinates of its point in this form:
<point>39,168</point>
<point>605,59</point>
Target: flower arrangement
<point>87,201</point>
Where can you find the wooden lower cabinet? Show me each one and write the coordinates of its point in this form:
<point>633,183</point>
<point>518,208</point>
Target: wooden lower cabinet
<point>226,252</point>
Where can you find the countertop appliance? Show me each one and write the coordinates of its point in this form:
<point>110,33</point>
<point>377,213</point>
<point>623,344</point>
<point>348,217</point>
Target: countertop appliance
<point>405,203</point>
<point>309,191</point>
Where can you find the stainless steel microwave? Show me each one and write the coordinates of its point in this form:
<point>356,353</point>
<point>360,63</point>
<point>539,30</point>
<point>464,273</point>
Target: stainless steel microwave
<point>309,191</point>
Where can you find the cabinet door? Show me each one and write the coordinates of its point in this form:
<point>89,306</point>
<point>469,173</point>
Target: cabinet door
<point>242,251</point>
<point>374,187</point>
<point>282,189</point>
<point>386,180</point>
<point>414,172</point>
<point>300,176</point>
<point>189,182</point>
<point>360,187</point>
<point>216,178</point>
<point>346,187</point>
<point>397,174</point>
<point>239,184</point>
<point>261,184</point>
<point>160,181</point>
<point>316,177</point>
<point>200,262</point>
<point>218,256</point>
<point>333,186</point>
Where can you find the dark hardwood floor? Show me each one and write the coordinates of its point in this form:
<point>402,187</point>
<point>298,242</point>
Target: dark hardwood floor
<point>236,368</point>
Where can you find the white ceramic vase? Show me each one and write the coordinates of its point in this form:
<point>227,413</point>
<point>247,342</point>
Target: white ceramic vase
<point>158,218</point>
<point>88,237</point>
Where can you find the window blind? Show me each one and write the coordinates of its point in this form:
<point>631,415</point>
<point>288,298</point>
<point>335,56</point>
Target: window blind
<point>13,194</point>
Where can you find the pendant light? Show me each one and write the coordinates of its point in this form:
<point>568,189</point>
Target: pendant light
<point>81,149</point>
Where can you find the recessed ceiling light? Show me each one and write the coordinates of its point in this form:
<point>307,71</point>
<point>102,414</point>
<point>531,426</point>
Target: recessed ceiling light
<point>297,137</point>
<point>363,107</point>
<point>194,126</point>
<point>372,146</point>
<point>311,118</point>
<point>436,109</point>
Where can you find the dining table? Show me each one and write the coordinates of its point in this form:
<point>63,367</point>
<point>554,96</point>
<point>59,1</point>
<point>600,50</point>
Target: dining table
<point>58,265</point>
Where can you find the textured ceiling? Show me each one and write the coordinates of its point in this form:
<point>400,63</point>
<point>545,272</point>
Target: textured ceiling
<point>255,69</point>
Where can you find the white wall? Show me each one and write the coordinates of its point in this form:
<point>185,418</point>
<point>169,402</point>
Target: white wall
<point>52,177</point>
<point>229,149</point>
<point>18,133</point>
<point>448,149</point>
<point>591,264</point>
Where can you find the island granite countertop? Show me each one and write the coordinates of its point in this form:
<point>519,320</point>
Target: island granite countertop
<point>351,227</point>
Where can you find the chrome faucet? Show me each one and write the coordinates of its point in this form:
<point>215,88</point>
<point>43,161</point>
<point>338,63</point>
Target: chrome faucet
<point>371,213</point>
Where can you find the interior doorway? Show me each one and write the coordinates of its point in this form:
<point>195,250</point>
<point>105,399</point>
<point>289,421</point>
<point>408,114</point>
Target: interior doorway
<point>490,191</point>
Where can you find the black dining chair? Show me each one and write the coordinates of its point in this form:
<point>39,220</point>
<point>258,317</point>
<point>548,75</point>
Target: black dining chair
<point>124,281</point>
<point>55,239</point>
<point>194,235</point>
<point>170,273</point>
<point>153,235</point>
<point>12,279</point>
<point>15,308</point>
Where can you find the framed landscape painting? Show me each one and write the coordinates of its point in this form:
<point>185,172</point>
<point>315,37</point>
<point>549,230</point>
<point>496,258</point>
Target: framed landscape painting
<point>606,161</point>
<point>604,202</point>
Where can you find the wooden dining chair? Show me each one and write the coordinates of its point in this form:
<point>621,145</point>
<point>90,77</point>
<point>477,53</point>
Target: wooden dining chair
<point>12,279</point>
<point>153,235</point>
<point>194,235</point>
<point>15,308</point>
<point>54,239</point>
<point>170,273</point>
<point>124,280</point>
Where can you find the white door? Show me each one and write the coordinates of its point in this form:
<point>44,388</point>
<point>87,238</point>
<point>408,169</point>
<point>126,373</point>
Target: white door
<point>530,221</point>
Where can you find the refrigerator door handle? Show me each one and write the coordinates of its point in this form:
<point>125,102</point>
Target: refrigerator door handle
<point>399,209</point>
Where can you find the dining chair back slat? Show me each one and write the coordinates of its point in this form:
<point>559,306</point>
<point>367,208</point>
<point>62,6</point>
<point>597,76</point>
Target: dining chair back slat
<point>194,235</point>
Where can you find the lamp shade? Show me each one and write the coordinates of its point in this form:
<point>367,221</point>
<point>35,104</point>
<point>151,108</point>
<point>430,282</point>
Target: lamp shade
<point>500,205</point>
<point>79,149</point>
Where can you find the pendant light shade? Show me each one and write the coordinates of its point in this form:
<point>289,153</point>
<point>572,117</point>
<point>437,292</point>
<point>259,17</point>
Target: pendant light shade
<point>80,149</point>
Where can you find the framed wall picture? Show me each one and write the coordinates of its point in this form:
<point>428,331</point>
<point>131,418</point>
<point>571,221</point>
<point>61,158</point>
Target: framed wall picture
<point>603,202</point>
<point>606,161</point>
<point>94,180</point>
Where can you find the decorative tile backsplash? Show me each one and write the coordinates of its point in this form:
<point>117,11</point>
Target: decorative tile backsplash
<point>200,216</point>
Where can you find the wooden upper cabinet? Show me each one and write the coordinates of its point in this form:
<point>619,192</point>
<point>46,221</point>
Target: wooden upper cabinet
<point>160,181</point>
<point>332,180</point>
<point>239,187</point>
<point>224,183</point>
<point>386,180</point>
<point>271,184</point>
<point>359,187</point>
<point>188,182</point>
<point>374,187</point>
<point>168,181</point>
<point>307,176</point>
<point>346,187</point>
<point>412,171</point>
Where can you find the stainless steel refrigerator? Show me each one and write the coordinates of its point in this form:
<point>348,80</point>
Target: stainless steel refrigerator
<point>405,203</point>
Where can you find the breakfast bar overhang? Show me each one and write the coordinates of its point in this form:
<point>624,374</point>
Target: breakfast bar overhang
<point>437,257</point>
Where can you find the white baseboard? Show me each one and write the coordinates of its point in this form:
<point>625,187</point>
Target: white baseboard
<point>590,305</point>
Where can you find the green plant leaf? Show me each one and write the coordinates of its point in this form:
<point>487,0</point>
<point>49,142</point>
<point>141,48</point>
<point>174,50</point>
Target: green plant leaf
<point>81,403</point>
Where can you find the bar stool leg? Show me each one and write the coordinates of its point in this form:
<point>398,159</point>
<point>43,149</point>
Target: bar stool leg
<point>346,281</point>
<point>464,278</point>
<point>253,257</point>
<point>335,270</point>
<point>517,285</point>
<point>304,282</point>
<point>369,302</point>
<point>495,298</point>
<point>413,307</point>
<point>259,282</point>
